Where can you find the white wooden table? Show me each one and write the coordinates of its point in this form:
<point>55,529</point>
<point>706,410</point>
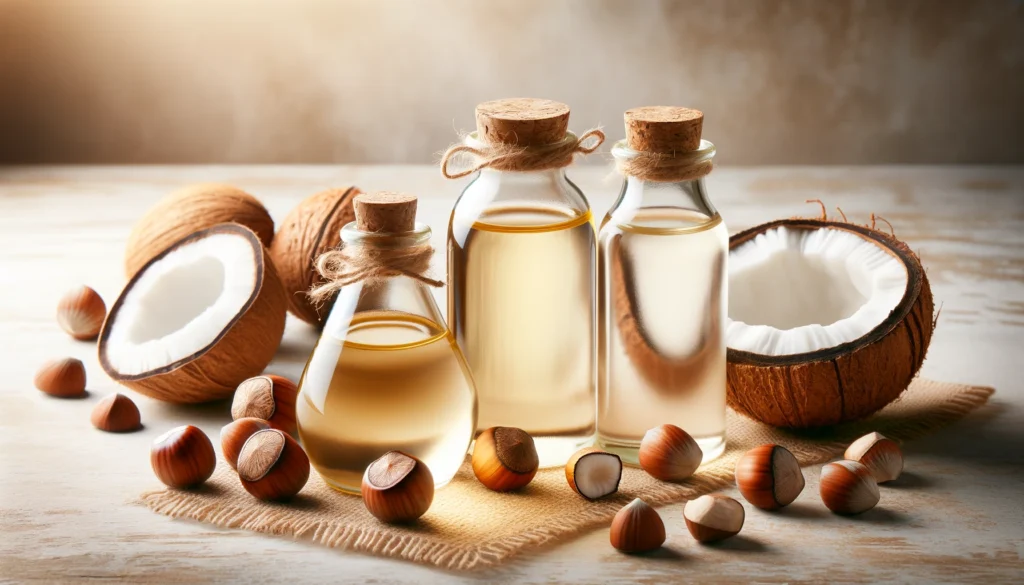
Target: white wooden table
<point>65,487</point>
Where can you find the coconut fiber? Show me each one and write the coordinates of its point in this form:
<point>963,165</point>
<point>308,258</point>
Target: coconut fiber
<point>470,527</point>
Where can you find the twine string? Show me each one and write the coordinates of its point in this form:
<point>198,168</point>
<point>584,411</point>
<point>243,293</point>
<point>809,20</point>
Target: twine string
<point>508,157</point>
<point>370,265</point>
<point>665,168</point>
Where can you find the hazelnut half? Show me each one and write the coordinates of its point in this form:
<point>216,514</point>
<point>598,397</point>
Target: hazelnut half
<point>183,457</point>
<point>397,487</point>
<point>80,313</point>
<point>769,477</point>
<point>637,527</point>
<point>713,517</point>
<point>505,458</point>
<point>880,455</point>
<point>234,435</point>
<point>593,473</point>
<point>271,398</point>
<point>272,465</point>
<point>116,414</point>
<point>847,487</point>
<point>64,378</point>
<point>669,453</point>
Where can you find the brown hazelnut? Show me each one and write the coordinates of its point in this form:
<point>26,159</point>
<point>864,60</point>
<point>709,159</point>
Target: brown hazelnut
<point>669,453</point>
<point>81,312</point>
<point>879,454</point>
<point>234,435</point>
<point>397,487</point>
<point>116,414</point>
<point>183,457</point>
<point>769,477</point>
<point>271,398</point>
<point>64,378</point>
<point>272,465</point>
<point>713,517</point>
<point>637,527</point>
<point>505,458</point>
<point>847,487</point>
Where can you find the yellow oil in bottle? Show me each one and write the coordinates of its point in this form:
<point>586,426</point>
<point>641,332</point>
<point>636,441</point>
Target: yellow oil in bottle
<point>522,305</point>
<point>396,382</point>
<point>663,309</point>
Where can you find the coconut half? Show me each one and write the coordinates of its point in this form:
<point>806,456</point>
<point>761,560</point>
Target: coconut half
<point>828,321</point>
<point>198,319</point>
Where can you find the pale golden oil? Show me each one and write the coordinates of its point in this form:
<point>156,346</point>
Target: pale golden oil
<point>522,305</point>
<point>397,382</point>
<point>663,309</point>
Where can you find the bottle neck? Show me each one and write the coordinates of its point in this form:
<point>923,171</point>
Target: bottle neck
<point>638,195</point>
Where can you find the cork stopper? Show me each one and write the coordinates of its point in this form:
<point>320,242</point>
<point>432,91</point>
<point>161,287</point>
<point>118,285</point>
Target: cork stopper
<point>522,121</point>
<point>663,129</point>
<point>385,211</point>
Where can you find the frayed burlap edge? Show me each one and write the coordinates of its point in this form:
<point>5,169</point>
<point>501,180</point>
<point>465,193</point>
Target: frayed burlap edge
<point>411,547</point>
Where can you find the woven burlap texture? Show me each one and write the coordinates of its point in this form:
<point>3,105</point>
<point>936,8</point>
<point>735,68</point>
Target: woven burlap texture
<point>469,526</point>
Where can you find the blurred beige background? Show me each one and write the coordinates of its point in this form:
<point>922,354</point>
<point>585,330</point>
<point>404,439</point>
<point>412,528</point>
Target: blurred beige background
<point>780,81</point>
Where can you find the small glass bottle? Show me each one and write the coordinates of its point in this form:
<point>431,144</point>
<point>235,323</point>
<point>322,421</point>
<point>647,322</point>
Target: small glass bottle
<point>663,289</point>
<point>521,274</point>
<point>386,373</point>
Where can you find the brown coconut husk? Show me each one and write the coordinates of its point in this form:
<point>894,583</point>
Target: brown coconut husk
<point>242,350</point>
<point>312,228</point>
<point>189,210</point>
<point>846,382</point>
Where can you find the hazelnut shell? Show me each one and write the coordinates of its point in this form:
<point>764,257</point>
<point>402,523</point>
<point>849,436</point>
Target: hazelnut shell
<point>234,435</point>
<point>270,398</point>
<point>116,414</point>
<point>505,458</point>
<point>272,466</point>
<point>80,313</point>
<point>183,457</point>
<point>879,454</point>
<point>713,517</point>
<point>669,453</point>
<point>397,487</point>
<point>769,477</point>
<point>64,378</point>
<point>847,487</point>
<point>637,527</point>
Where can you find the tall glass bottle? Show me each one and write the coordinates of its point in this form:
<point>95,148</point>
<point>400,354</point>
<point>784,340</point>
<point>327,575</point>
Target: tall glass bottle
<point>521,274</point>
<point>386,373</point>
<point>663,289</point>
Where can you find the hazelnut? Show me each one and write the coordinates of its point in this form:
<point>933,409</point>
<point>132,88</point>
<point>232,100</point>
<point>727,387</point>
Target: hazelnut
<point>271,398</point>
<point>880,455</point>
<point>847,487</point>
<point>234,435</point>
<point>397,487</point>
<point>116,414</point>
<point>637,527</point>
<point>272,465</point>
<point>769,477</point>
<point>713,517</point>
<point>64,378</point>
<point>80,313</point>
<point>593,473</point>
<point>183,457</point>
<point>669,453</point>
<point>505,458</point>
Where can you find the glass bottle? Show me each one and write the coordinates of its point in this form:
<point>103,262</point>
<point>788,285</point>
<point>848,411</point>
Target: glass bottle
<point>521,294</point>
<point>663,293</point>
<point>386,373</point>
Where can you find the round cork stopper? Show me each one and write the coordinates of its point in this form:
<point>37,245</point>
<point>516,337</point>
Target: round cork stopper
<point>522,121</point>
<point>664,129</point>
<point>385,212</point>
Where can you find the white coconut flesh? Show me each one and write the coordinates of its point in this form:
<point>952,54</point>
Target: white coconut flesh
<point>797,291</point>
<point>181,303</point>
<point>598,474</point>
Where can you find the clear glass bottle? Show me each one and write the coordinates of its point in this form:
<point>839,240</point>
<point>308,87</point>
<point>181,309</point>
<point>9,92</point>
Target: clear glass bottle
<point>521,295</point>
<point>385,375</point>
<point>663,292</point>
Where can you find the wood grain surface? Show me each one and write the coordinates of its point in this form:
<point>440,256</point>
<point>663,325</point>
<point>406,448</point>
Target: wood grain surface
<point>66,489</point>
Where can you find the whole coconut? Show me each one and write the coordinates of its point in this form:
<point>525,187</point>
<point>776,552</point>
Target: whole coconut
<point>312,228</point>
<point>189,210</point>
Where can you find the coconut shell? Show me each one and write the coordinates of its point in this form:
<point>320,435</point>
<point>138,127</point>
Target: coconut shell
<point>242,350</point>
<point>843,383</point>
<point>189,210</point>
<point>312,228</point>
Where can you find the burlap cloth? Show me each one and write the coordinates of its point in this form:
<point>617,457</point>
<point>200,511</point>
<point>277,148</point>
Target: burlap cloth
<point>469,526</point>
